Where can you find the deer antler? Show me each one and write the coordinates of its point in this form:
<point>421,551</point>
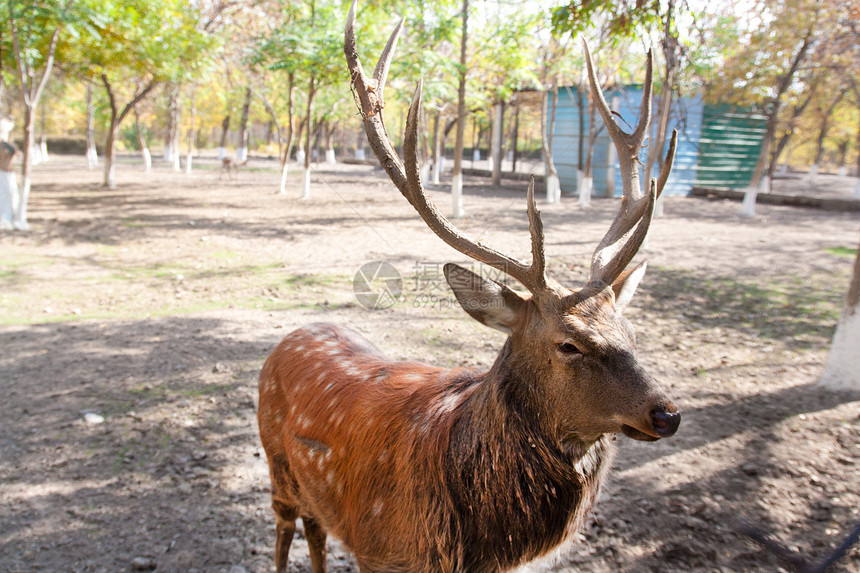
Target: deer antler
<point>628,230</point>
<point>406,175</point>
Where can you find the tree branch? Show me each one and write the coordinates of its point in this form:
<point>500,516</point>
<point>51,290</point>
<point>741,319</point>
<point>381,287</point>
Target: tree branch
<point>135,100</point>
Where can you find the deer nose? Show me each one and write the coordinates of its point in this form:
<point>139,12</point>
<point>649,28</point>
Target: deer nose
<point>665,420</point>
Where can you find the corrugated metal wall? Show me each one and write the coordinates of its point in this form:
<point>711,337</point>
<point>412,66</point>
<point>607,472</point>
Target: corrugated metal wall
<point>717,145</point>
<point>729,147</point>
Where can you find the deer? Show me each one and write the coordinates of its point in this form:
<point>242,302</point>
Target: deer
<point>231,165</point>
<point>418,468</point>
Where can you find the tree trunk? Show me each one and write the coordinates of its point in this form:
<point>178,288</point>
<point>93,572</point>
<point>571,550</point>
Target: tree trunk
<point>92,154</point>
<point>8,185</point>
<point>822,135</point>
<point>514,139</point>
<point>841,371</point>
<point>498,123</point>
<point>43,143</point>
<point>242,150</point>
<point>192,133</point>
<point>553,188</point>
<point>20,221</point>
<point>359,144</point>
<point>306,176</point>
<point>110,153</point>
<point>177,128</point>
<point>116,118</point>
<point>329,144</point>
<point>437,147</point>
<point>760,181</point>
<point>172,124</point>
<point>580,159</point>
<point>857,171</point>
<point>222,145</point>
<point>655,146</point>
<point>141,142</point>
<point>457,176</point>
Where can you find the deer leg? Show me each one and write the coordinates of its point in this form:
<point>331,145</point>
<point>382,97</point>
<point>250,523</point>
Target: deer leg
<point>285,527</point>
<point>316,537</point>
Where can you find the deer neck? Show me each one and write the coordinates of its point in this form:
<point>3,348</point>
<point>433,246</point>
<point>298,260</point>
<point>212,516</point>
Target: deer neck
<point>503,441</point>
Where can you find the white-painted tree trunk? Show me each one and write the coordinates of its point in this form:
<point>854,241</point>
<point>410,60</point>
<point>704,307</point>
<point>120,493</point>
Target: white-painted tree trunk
<point>176,165</point>
<point>242,153</point>
<point>222,153</point>
<point>168,151</point>
<point>658,206</point>
<point>20,220</point>
<point>553,188</point>
<point>306,183</point>
<point>748,207</point>
<point>496,153</point>
<point>35,154</point>
<point>92,158</point>
<point>783,170</point>
<point>425,171</point>
<point>329,156</point>
<point>476,156</point>
<point>359,153</point>
<point>110,173</point>
<point>813,171</point>
<point>457,196</point>
<point>300,155</point>
<point>842,171</point>
<point>857,190</point>
<point>285,168</point>
<point>583,188</point>
<point>842,371</point>
<point>8,199</point>
<point>6,127</point>
<point>43,147</point>
<point>147,160</point>
<point>188,161</point>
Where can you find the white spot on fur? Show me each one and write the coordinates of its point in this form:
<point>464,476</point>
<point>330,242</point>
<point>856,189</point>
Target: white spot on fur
<point>383,456</point>
<point>300,348</point>
<point>412,377</point>
<point>377,507</point>
<point>329,478</point>
<point>449,403</point>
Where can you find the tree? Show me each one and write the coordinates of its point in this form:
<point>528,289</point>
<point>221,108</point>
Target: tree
<point>457,175</point>
<point>133,46</point>
<point>35,31</point>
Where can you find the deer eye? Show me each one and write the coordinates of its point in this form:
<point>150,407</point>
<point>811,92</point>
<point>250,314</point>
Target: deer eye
<point>568,347</point>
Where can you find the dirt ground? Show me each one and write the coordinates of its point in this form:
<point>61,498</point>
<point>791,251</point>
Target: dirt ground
<point>133,324</point>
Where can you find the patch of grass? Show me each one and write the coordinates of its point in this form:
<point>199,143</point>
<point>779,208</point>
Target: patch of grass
<point>224,255</point>
<point>800,312</point>
<point>844,252</point>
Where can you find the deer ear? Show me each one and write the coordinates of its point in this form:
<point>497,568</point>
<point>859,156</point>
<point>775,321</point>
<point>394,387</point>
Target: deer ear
<point>490,303</point>
<point>626,283</point>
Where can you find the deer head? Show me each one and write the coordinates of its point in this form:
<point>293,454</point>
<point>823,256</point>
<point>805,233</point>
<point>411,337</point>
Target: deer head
<point>572,348</point>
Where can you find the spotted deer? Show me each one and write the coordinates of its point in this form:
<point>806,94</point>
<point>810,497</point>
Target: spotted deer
<point>230,166</point>
<point>423,469</point>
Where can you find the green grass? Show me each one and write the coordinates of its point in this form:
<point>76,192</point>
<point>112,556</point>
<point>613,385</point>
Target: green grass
<point>844,252</point>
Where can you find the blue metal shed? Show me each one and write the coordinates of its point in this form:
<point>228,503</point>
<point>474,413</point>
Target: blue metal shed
<point>694,157</point>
